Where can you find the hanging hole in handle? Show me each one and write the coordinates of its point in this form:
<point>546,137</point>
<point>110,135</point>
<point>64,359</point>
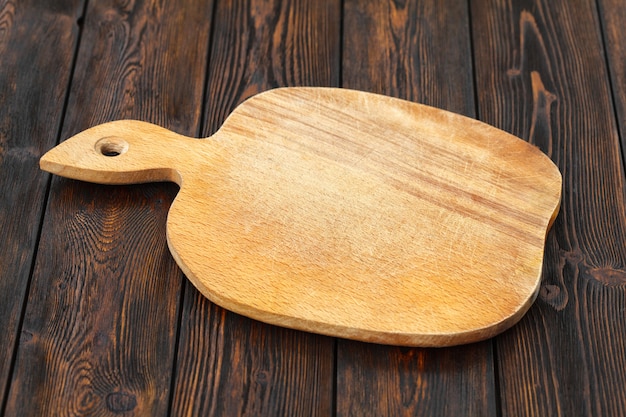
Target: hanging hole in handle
<point>111,146</point>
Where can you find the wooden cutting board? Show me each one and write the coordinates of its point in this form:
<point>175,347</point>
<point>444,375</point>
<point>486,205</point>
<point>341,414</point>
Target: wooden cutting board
<point>344,213</point>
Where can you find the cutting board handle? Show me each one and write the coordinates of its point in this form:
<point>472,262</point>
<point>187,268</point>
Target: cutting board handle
<point>125,152</point>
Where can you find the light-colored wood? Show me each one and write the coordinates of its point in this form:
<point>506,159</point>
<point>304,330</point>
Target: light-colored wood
<point>345,213</point>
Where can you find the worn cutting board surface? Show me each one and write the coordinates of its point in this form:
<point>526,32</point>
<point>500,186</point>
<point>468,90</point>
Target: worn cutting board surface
<point>344,213</point>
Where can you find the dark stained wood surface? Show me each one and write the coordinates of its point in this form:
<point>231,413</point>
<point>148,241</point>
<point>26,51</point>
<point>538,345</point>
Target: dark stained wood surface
<point>31,111</point>
<point>612,17</point>
<point>98,320</point>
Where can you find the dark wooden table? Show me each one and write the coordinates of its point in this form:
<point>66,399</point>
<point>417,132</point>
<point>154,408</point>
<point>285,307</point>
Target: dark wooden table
<point>95,316</point>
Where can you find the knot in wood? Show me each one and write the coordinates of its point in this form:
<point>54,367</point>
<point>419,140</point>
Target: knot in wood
<point>121,402</point>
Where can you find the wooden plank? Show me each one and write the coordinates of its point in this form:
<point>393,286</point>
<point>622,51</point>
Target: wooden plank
<point>541,75</point>
<point>613,18</point>
<point>33,35</point>
<point>388,380</point>
<point>229,365</point>
<point>99,332</point>
<point>418,50</point>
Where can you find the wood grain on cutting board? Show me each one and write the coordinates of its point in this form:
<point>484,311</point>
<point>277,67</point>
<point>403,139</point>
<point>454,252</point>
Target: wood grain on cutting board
<point>345,213</point>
